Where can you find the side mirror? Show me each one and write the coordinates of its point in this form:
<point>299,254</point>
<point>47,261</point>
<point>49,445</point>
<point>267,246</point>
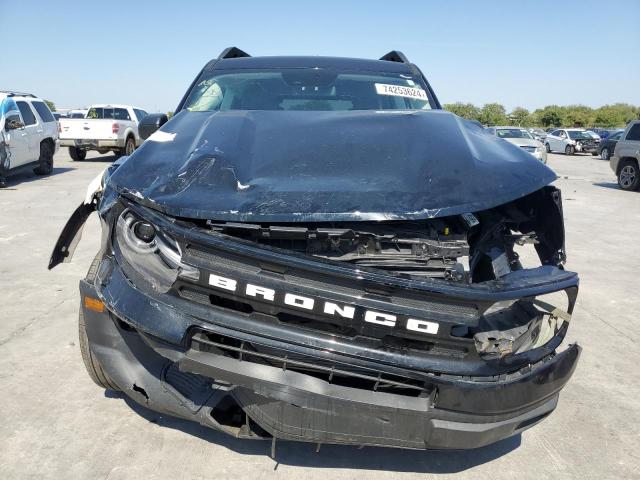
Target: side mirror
<point>14,124</point>
<point>151,123</point>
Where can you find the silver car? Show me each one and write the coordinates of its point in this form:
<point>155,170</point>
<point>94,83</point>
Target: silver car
<point>522,138</point>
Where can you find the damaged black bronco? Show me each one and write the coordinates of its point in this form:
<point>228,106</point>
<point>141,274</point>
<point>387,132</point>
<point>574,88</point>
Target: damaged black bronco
<point>311,249</point>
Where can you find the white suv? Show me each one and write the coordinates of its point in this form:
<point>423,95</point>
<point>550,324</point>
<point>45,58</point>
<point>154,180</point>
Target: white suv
<point>28,135</point>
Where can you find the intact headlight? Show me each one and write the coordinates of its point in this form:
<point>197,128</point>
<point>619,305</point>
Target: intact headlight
<point>153,255</point>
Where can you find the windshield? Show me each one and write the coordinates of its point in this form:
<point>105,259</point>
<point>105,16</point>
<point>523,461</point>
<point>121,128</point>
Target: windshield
<point>577,135</point>
<point>513,133</point>
<point>310,89</point>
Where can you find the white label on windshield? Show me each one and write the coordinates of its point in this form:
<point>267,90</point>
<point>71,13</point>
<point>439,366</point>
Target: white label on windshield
<point>400,91</point>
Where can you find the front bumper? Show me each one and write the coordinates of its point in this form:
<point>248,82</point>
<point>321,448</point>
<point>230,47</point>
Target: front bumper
<point>589,148</point>
<point>196,380</point>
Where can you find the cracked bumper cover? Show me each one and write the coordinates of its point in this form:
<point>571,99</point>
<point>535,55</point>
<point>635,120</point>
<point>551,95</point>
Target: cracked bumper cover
<point>169,377</point>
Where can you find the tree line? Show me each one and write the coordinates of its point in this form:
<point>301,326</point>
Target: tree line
<point>607,116</point>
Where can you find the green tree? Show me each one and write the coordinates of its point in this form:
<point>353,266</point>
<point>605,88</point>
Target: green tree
<point>51,105</point>
<point>550,116</point>
<point>578,116</point>
<point>169,114</point>
<point>464,110</point>
<point>520,117</point>
<point>617,115</point>
<point>493,114</point>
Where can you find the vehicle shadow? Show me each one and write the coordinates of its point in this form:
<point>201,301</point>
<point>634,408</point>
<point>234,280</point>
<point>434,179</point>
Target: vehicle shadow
<point>26,177</point>
<point>110,158</point>
<point>336,456</point>
<point>612,185</point>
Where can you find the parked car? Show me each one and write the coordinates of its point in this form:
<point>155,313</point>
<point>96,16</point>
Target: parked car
<point>28,135</point>
<point>538,133</point>
<point>283,260</point>
<point>105,128</point>
<point>571,141</point>
<point>604,132</point>
<point>626,157</point>
<point>593,135</point>
<point>523,139</point>
<point>77,113</point>
<point>607,145</point>
<point>58,115</point>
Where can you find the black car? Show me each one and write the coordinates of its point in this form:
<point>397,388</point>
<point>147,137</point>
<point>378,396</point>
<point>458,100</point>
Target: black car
<point>608,145</point>
<point>285,259</point>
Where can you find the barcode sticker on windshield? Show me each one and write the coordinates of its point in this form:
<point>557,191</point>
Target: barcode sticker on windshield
<point>400,91</point>
<point>470,219</point>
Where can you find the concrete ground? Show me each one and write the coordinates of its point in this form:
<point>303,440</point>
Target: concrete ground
<point>55,423</point>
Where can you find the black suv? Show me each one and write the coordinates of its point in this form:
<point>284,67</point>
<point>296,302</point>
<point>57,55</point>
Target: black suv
<point>311,249</point>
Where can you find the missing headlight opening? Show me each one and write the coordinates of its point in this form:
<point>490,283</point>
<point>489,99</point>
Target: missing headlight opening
<point>310,260</point>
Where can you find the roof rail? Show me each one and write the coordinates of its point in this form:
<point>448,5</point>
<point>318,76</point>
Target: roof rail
<point>395,56</point>
<point>232,52</point>
<point>11,93</point>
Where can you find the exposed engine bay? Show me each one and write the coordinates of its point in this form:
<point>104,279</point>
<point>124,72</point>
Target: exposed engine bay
<point>463,248</point>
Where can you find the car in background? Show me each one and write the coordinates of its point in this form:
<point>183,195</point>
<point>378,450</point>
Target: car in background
<point>625,160</point>
<point>538,133</point>
<point>58,115</point>
<point>77,113</point>
<point>105,128</point>
<point>594,135</point>
<point>28,135</point>
<point>570,141</point>
<point>523,139</point>
<point>607,145</point>
<point>605,132</point>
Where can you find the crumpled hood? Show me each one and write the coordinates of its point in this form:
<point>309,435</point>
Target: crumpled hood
<point>295,166</point>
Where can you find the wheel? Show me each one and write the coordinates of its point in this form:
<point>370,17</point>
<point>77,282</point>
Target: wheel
<point>628,175</point>
<point>129,146</point>
<point>604,154</point>
<point>569,150</point>
<point>547,147</point>
<point>91,363</point>
<point>77,153</point>
<point>46,160</point>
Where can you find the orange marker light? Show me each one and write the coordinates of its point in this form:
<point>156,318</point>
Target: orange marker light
<point>94,304</point>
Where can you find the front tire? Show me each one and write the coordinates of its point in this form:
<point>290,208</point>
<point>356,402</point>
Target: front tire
<point>629,176</point>
<point>569,150</point>
<point>547,147</point>
<point>91,363</point>
<point>46,160</point>
<point>604,154</point>
<point>77,154</point>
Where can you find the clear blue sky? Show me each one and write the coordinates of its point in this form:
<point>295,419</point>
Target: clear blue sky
<point>518,53</point>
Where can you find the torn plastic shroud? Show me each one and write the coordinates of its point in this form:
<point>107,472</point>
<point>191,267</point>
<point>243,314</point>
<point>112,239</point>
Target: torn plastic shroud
<point>292,166</point>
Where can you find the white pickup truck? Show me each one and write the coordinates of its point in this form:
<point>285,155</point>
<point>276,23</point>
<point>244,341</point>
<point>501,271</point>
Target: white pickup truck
<point>105,128</point>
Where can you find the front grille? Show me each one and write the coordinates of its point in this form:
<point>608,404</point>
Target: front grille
<point>332,372</point>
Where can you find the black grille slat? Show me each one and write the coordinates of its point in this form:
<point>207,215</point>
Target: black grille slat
<point>346,375</point>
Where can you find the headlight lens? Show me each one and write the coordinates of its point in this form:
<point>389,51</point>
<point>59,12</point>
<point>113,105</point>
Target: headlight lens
<point>154,256</point>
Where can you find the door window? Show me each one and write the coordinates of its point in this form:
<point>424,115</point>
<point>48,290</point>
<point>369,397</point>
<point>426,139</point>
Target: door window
<point>27,114</point>
<point>121,114</point>
<point>634,132</point>
<point>44,112</point>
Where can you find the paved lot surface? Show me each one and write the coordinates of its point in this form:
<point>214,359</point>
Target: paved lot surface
<point>55,423</point>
